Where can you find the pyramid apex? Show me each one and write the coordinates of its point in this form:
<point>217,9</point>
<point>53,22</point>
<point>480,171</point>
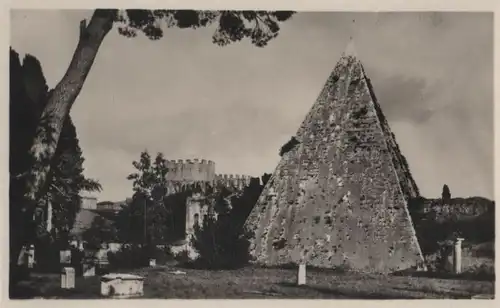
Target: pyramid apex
<point>350,50</point>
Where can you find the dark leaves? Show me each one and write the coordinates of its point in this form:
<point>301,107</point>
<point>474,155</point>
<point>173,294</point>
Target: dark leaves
<point>292,143</point>
<point>231,29</point>
<point>139,19</point>
<point>152,32</point>
<point>187,19</point>
<point>233,26</point>
<point>283,15</point>
<point>65,180</point>
<point>127,32</point>
<point>259,26</point>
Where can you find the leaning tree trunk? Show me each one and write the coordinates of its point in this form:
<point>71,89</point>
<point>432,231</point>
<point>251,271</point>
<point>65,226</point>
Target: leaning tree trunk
<point>53,117</point>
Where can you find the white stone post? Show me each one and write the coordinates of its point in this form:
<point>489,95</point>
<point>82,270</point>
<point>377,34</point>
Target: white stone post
<point>68,278</point>
<point>49,216</point>
<point>152,262</point>
<point>457,256</point>
<point>31,256</point>
<point>301,279</point>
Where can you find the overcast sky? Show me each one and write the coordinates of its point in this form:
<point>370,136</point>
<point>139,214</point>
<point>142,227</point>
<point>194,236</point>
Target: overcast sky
<point>237,105</point>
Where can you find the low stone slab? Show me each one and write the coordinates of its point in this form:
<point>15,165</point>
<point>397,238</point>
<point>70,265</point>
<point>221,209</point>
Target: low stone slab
<point>483,296</point>
<point>122,285</point>
<point>301,277</point>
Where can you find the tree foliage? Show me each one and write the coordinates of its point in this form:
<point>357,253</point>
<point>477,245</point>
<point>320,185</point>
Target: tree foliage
<point>101,231</point>
<point>446,194</point>
<point>222,240</point>
<point>149,218</point>
<point>28,96</point>
<point>219,242</point>
<point>292,143</point>
<point>230,26</point>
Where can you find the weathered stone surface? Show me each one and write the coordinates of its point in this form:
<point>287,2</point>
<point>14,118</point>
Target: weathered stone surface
<point>339,196</point>
<point>68,278</point>
<point>122,285</point>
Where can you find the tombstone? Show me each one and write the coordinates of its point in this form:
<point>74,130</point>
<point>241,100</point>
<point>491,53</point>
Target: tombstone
<point>88,269</point>
<point>31,256</point>
<point>457,256</point>
<point>68,278</point>
<point>88,264</point>
<point>152,262</point>
<point>65,256</point>
<point>122,285</point>
<point>102,260</point>
<point>22,259</point>
<point>301,279</point>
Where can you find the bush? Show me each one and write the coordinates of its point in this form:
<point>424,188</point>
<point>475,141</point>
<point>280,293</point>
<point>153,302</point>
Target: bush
<point>135,256</point>
<point>220,244</point>
<point>289,146</point>
<point>161,255</point>
<point>129,257</point>
<point>47,255</point>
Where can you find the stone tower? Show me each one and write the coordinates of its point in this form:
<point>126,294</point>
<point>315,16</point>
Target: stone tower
<point>339,196</point>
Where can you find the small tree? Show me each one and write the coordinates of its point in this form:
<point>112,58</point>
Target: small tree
<point>446,194</point>
<point>223,241</point>
<point>101,231</point>
<point>149,218</point>
<point>221,244</point>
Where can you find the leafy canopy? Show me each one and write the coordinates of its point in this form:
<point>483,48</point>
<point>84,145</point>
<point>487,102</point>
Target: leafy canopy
<point>29,94</point>
<point>151,216</point>
<point>230,26</point>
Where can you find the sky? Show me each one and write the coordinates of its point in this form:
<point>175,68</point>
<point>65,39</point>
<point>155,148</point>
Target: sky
<point>237,105</point>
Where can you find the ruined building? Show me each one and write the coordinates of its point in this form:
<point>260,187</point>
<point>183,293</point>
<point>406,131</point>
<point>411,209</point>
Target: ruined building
<point>338,197</point>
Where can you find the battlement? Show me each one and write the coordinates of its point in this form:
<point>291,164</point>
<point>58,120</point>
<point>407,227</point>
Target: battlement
<point>235,180</point>
<point>188,170</point>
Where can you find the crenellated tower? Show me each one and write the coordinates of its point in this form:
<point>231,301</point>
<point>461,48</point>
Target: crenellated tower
<point>191,170</point>
<point>184,175</point>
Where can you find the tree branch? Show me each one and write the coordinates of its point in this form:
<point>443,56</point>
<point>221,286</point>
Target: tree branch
<point>83,29</point>
<point>61,192</point>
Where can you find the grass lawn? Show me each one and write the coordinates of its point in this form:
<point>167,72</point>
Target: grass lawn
<point>253,282</point>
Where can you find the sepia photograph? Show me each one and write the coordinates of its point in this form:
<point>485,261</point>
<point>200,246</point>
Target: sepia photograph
<point>236,154</point>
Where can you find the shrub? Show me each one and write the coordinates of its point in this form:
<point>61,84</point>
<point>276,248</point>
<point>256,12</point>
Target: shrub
<point>289,146</point>
<point>129,257</point>
<point>136,256</point>
<point>220,244</point>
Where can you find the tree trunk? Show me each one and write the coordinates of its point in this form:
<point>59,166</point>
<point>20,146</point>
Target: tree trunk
<point>53,117</point>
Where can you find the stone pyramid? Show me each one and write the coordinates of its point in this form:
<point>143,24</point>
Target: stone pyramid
<point>338,197</point>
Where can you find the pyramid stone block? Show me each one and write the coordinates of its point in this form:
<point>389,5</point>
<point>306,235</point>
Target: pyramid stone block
<point>338,197</point>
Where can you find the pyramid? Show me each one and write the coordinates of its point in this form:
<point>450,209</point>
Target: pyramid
<point>339,195</point>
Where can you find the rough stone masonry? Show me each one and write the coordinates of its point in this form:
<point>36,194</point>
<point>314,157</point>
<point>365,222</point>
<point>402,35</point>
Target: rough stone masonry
<point>338,197</point>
